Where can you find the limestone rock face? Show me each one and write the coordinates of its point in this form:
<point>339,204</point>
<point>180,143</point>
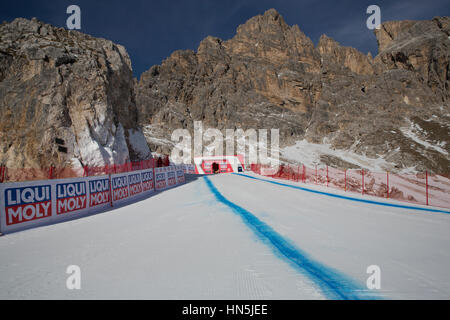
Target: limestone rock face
<point>270,75</point>
<point>419,46</point>
<point>59,84</point>
<point>346,57</point>
<point>389,32</point>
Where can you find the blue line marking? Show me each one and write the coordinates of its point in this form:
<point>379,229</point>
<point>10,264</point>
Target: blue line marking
<point>346,197</point>
<point>333,284</point>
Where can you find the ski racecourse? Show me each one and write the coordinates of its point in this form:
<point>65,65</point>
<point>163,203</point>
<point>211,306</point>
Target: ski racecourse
<point>236,236</point>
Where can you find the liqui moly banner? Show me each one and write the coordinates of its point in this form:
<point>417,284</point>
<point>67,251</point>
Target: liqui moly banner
<point>160,178</point>
<point>168,177</point>
<point>171,178</point>
<point>71,196</point>
<point>147,180</point>
<point>25,204</point>
<point>30,204</point>
<point>189,168</point>
<point>119,187</point>
<point>180,174</point>
<point>99,192</point>
<point>135,183</point>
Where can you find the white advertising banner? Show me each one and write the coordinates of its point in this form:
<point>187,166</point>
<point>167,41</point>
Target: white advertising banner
<point>168,177</point>
<point>148,183</point>
<point>161,178</point>
<point>180,174</point>
<point>119,187</point>
<point>189,168</point>
<point>31,204</point>
<point>25,205</point>
<point>99,192</point>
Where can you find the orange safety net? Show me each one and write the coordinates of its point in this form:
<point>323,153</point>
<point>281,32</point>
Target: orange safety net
<point>34,174</point>
<point>419,188</point>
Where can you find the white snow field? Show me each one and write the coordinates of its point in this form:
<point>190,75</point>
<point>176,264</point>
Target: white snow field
<point>235,237</point>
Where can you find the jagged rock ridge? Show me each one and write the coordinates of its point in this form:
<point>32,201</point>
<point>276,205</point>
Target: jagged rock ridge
<point>270,75</point>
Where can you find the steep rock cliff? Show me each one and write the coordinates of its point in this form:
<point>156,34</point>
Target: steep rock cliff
<point>392,109</point>
<point>66,99</point>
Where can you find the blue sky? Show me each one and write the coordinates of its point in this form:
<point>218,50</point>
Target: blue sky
<point>152,29</point>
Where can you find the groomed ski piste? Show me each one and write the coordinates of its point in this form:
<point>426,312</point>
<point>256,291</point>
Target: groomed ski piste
<point>236,236</point>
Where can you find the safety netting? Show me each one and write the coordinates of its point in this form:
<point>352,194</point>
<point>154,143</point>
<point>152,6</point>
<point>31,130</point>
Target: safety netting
<point>420,188</point>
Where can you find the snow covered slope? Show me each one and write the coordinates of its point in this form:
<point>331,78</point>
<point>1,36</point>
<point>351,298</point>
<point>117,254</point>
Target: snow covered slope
<point>234,237</point>
<point>310,154</point>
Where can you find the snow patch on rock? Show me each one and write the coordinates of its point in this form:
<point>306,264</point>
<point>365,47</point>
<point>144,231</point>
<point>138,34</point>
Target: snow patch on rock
<point>138,143</point>
<point>112,148</point>
<point>412,131</point>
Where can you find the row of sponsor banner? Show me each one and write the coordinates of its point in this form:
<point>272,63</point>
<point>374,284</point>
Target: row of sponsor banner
<point>30,204</point>
<point>189,168</point>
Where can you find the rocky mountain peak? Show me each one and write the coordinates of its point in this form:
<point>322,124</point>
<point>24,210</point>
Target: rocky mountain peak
<point>270,75</point>
<point>389,31</point>
<point>333,54</point>
<point>269,37</point>
<point>420,46</point>
<point>400,33</point>
<point>270,23</point>
<point>66,86</point>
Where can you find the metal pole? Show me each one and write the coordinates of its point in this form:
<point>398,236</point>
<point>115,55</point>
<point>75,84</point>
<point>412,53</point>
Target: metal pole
<point>362,174</point>
<point>110,191</point>
<point>316,173</point>
<point>387,182</point>
<point>154,175</point>
<point>345,179</point>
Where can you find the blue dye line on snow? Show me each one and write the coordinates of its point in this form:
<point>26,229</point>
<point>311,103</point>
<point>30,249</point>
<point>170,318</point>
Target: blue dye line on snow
<point>333,284</point>
<point>347,197</point>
